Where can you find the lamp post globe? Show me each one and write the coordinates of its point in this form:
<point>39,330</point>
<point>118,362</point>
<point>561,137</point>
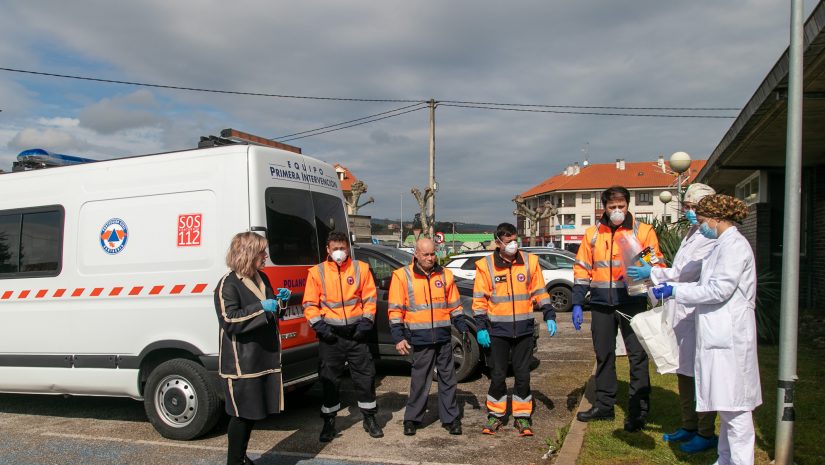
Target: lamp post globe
<point>665,197</point>
<point>679,162</point>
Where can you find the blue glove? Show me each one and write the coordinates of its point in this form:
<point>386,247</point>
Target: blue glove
<point>270,305</point>
<point>483,337</point>
<point>551,327</point>
<point>283,294</point>
<point>578,317</point>
<point>663,292</point>
<point>639,272</point>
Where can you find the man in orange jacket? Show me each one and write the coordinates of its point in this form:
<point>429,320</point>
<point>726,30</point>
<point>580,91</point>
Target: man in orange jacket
<point>423,305</point>
<point>599,268</point>
<point>508,284</point>
<point>339,303</point>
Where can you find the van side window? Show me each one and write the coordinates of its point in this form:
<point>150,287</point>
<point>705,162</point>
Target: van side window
<point>298,222</point>
<point>31,241</point>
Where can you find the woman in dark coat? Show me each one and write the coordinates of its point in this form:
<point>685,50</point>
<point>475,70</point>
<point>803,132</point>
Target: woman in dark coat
<point>250,357</point>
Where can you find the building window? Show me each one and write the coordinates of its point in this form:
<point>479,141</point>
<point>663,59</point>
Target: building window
<point>667,219</point>
<point>645,217</point>
<point>585,198</point>
<point>644,198</point>
<point>568,200</point>
<point>568,219</point>
<point>585,220</point>
<point>748,190</point>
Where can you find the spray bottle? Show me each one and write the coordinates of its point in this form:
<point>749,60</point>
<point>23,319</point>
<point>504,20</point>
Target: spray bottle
<point>632,255</point>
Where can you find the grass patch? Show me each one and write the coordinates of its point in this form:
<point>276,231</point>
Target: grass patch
<point>607,442</point>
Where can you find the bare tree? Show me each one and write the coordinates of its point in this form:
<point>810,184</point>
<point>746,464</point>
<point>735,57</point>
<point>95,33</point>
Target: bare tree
<point>426,220</point>
<point>534,215</point>
<point>358,188</point>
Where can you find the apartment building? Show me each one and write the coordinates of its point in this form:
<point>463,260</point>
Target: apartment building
<point>576,193</point>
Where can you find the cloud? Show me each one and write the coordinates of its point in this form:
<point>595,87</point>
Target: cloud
<point>111,115</point>
<point>48,139</point>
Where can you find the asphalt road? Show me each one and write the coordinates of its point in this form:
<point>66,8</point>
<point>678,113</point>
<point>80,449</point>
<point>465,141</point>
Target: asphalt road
<point>91,431</point>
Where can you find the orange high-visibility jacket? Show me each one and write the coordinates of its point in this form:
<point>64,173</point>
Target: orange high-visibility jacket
<point>504,294</point>
<point>599,264</point>
<point>340,295</point>
<point>424,304</point>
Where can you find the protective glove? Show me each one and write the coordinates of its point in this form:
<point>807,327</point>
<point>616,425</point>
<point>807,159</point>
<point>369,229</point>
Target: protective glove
<point>324,332</point>
<point>639,272</point>
<point>551,327</point>
<point>283,294</point>
<point>663,292</point>
<point>362,329</point>
<point>483,337</point>
<point>270,305</point>
<point>578,317</point>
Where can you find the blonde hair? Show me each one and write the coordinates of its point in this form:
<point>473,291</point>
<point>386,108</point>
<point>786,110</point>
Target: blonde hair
<point>722,207</point>
<point>243,252</point>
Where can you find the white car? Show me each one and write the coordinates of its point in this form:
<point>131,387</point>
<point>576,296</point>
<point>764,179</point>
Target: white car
<point>558,279</point>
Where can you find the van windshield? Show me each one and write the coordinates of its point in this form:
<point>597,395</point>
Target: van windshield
<point>298,223</point>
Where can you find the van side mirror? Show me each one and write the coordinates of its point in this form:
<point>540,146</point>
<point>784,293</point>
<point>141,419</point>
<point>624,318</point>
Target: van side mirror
<point>384,284</point>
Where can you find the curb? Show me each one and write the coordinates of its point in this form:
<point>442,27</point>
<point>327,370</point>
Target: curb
<point>570,449</point>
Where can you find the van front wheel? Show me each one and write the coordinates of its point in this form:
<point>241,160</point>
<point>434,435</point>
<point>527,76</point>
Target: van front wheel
<point>180,401</point>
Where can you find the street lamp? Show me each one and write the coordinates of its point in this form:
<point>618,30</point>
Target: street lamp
<point>679,162</point>
<point>665,197</point>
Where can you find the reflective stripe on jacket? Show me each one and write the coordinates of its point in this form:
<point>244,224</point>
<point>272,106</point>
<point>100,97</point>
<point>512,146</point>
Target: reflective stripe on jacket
<point>599,266</point>
<point>340,295</point>
<point>423,304</point>
<point>504,294</point>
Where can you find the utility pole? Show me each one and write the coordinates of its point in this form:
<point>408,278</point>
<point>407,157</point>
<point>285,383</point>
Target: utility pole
<point>432,184</point>
<point>789,311</point>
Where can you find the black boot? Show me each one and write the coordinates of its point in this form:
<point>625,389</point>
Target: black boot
<point>328,431</point>
<point>596,413</point>
<point>371,426</point>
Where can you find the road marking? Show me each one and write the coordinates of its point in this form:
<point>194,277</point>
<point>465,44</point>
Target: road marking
<point>302,455</point>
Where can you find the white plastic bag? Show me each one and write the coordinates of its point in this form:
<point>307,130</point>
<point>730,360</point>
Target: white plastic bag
<point>656,335</point>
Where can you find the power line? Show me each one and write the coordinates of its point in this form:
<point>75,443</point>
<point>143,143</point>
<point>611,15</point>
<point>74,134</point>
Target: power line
<point>350,121</point>
<point>197,89</point>
<point>357,124</point>
<point>480,107</point>
<point>584,107</point>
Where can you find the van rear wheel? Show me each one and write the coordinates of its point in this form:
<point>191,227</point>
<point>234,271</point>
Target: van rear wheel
<point>180,401</point>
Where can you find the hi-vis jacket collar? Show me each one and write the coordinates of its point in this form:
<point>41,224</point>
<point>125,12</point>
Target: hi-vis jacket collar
<point>418,270</point>
<point>502,263</point>
<point>627,223</point>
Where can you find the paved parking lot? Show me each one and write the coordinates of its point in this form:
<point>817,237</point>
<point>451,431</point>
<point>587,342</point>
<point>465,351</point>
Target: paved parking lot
<point>83,430</point>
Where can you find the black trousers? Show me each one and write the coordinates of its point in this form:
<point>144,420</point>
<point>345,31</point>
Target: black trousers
<point>238,433</point>
<point>502,349</point>
<point>424,358</point>
<point>362,370</point>
<point>604,326</point>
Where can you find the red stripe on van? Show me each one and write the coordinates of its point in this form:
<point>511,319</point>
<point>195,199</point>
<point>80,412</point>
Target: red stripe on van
<point>136,290</point>
<point>177,289</point>
<point>59,293</point>
<point>6,295</point>
<point>199,288</point>
<point>41,293</point>
<point>116,291</point>
<point>156,290</point>
<point>23,294</point>
<point>96,291</point>
<point>78,292</point>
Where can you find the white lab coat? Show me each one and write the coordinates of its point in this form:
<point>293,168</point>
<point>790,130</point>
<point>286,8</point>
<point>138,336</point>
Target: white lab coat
<point>686,268</point>
<point>726,367</point>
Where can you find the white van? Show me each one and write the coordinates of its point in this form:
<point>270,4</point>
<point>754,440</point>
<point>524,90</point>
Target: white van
<point>107,272</point>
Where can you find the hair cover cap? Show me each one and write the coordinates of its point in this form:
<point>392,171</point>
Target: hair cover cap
<point>696,192</point>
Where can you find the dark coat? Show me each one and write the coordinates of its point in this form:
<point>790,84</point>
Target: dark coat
<point>249,339</point>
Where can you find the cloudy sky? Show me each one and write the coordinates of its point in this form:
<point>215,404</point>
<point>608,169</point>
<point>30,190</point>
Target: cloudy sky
<point>644,53</point>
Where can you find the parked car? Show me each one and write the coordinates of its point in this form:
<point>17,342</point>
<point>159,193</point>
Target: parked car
<point>558,278</point>
<point>467,355</point>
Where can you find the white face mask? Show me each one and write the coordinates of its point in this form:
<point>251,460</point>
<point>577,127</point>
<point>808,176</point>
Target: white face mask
<point>338,256</point>
<point>617,217</point>
<point>511,248</point>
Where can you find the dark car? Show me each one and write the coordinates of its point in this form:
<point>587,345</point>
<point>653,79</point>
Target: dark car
<point>383,260</point>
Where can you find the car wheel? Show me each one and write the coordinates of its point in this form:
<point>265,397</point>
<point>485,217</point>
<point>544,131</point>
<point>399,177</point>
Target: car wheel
<point>466,355</point>
<point>180,401</point>
<point>561,298</point>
